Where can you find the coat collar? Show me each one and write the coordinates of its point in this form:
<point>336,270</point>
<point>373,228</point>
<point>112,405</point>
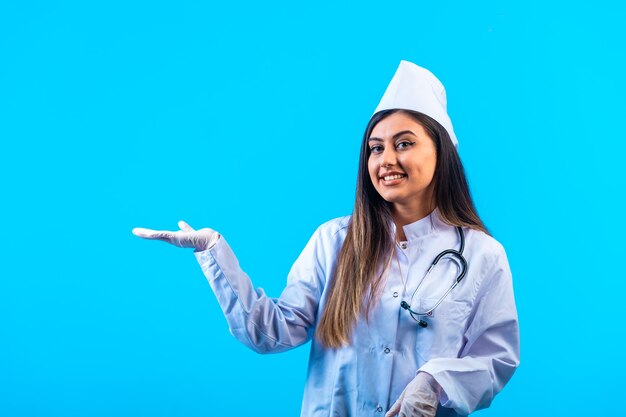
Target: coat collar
<point>422,227</point>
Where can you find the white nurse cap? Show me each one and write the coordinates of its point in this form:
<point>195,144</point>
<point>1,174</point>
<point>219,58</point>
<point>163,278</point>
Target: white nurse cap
<point>415,88</point>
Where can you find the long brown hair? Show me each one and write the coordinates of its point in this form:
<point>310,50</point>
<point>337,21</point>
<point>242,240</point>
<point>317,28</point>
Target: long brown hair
<point>369,240</point>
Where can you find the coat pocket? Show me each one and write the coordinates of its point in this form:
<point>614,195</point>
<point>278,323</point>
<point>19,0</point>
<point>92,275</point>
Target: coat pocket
<point>443,337</point>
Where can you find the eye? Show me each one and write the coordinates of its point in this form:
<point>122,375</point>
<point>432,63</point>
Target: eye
<point>404,144</point>
<point>376,149</point>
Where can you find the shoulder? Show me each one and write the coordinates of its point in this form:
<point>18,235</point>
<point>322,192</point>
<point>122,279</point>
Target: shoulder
<point>484,243</point>
<point>334,228</point>
<point>488,252</point>
<point>485,250</point>
<point>327,241</point>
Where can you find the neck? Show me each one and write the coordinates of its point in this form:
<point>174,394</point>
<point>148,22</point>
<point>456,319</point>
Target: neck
<point>406,214</point>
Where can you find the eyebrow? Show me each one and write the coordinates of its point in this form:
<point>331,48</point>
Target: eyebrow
<point>394,136</point>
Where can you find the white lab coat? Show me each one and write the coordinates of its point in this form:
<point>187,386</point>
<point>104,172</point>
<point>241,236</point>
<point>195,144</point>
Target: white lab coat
<point>471,345</point>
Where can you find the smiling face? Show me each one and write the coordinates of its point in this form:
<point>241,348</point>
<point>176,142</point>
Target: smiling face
<point>402,163</point>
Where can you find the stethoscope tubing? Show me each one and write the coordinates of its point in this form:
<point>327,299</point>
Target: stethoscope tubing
<point>456,254</point>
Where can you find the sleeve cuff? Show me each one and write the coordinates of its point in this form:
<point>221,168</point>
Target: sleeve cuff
<point>218,254</point>
<point>431,369</point>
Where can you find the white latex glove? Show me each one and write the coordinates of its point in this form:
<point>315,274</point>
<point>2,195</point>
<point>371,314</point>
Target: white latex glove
<point>419,399</point>
<point>185,238</point>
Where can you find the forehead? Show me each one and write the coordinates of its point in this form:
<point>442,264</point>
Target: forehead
<point>395,123</point>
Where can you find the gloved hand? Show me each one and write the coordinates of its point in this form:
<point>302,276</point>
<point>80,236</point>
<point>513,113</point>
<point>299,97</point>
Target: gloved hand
<point>185,238</point>
<point>419,399</point>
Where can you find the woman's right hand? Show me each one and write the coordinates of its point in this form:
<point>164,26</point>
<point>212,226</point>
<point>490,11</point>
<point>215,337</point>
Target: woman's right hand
<point>186,237</point>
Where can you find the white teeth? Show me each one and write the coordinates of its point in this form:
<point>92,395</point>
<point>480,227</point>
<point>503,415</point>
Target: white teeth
<point>393,177</point>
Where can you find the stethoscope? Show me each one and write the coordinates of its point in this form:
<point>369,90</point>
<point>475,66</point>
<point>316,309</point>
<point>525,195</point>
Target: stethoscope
<point>456,254</point>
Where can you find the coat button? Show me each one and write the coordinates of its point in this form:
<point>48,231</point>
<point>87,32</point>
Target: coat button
<point>403,245</point>
<point>395,294</point>
<point>387,350</point>
<point>379,409</point>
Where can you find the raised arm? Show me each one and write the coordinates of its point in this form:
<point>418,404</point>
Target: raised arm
<point>260,322</point>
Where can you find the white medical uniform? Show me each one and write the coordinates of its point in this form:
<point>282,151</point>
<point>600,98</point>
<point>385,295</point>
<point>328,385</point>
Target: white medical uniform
<point>471,344</point>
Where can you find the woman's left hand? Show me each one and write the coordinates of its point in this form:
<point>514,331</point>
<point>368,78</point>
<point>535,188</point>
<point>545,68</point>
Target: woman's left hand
<point>419,399</point>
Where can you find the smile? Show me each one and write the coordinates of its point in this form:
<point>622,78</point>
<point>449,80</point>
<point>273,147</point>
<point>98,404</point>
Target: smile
<point>391,180</point>
<point>393,177</point>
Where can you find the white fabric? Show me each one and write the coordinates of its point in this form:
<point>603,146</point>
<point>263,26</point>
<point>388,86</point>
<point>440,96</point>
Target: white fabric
<point>415,88</point>
<point>470,347</point>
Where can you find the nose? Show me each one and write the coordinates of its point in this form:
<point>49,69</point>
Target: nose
<point>388,157</point>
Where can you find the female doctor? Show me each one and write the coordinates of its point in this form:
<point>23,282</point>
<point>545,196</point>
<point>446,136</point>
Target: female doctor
<point>409,301</point>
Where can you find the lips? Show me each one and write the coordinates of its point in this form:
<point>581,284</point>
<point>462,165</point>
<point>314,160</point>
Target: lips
<point>392,175</point>
<point>389,179</point>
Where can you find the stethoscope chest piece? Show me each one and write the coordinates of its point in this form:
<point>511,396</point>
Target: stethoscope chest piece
<point>420,322</point>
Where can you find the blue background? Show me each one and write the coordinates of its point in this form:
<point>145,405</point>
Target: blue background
<point>247,117</point>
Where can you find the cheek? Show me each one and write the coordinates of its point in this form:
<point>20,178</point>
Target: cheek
<point>432,165</point>
<point>425,167</point>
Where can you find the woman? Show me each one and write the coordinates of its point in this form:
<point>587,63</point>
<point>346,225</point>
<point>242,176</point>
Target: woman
<point>389,333</point>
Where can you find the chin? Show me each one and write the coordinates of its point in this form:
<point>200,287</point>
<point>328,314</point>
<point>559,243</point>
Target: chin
<point>392,198</point>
